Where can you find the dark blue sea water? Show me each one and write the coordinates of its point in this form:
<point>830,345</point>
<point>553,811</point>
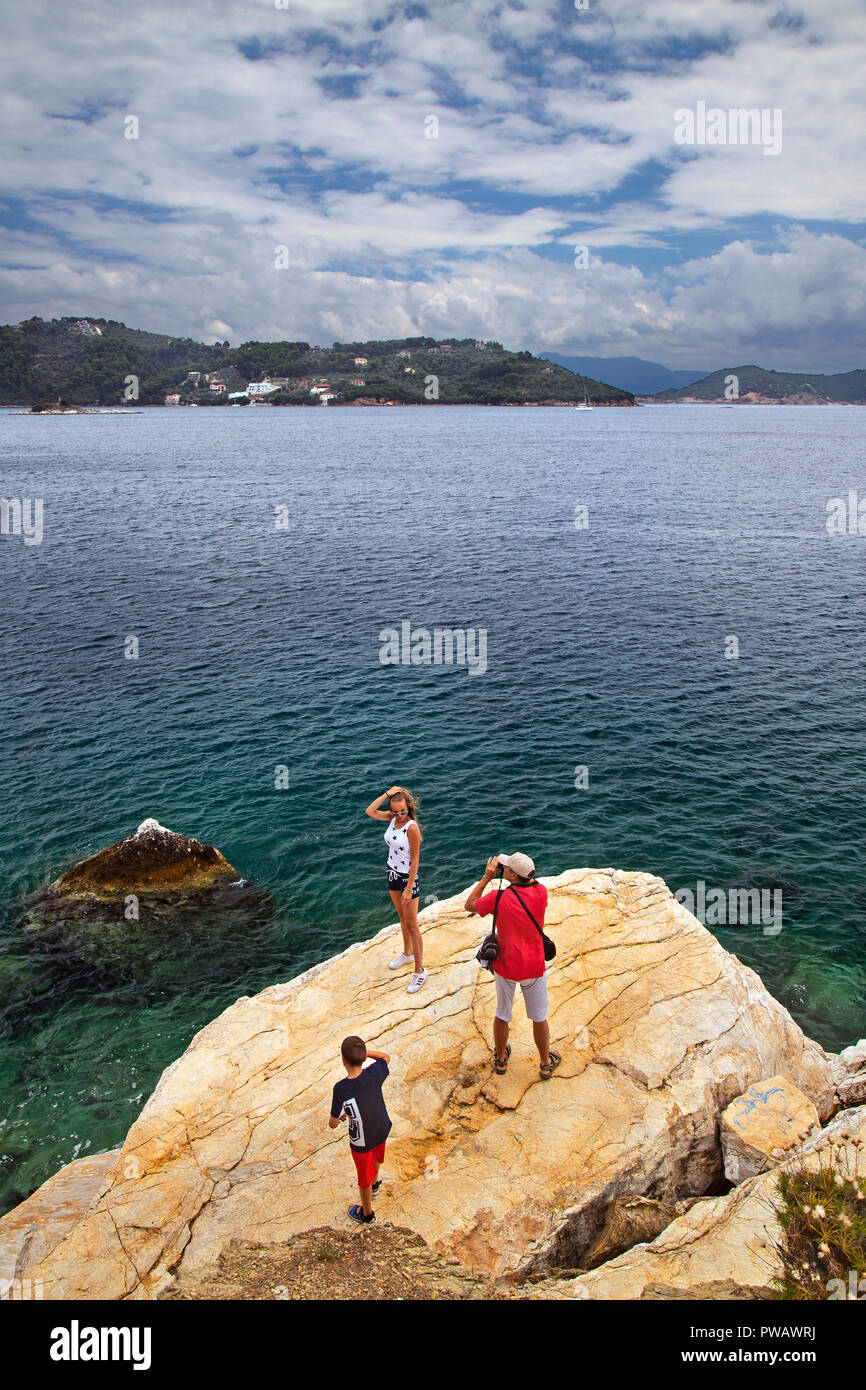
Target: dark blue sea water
<point>259,647</point>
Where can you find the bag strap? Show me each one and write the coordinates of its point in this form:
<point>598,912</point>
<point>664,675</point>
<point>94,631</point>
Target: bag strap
<point>495,910</point>
<point>512,888</point>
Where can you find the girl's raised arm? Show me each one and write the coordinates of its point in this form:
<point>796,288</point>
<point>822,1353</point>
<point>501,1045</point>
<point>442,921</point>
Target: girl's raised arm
<point>373,811</point>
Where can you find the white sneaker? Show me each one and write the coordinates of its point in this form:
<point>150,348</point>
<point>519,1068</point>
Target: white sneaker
<point>417,982</point>
<point>400,960</point>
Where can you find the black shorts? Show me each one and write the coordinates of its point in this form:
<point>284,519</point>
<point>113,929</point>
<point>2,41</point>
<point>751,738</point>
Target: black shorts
<point>398,883</point>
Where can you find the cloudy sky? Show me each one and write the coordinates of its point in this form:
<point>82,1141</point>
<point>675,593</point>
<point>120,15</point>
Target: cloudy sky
<point>431,167</point>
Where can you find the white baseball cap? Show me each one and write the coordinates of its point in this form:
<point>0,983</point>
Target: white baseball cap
<point>520,863</point>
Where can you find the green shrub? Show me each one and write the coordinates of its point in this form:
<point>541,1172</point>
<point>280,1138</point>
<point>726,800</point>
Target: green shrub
<point>822,1214</point>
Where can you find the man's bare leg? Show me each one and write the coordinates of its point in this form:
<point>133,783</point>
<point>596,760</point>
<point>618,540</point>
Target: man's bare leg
<point>541,1033</point>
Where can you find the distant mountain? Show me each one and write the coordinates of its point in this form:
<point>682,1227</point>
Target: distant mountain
<point>95,361</point>
<point>633,374</point>
<point>757,385</point>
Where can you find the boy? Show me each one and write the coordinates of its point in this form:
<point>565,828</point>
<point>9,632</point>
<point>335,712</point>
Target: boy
<point>359,1100</point>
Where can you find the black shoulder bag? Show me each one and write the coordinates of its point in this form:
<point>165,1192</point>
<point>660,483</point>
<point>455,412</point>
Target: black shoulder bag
<point>549,945</point>
<point>488,951</point>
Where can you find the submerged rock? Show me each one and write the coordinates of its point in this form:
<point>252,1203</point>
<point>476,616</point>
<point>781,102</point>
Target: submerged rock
<point>659,1029</point>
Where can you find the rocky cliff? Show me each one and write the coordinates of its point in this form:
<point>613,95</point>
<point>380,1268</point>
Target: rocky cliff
<point>660,1029</point>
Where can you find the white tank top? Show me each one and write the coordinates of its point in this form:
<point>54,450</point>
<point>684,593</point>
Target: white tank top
<point>399,851</point>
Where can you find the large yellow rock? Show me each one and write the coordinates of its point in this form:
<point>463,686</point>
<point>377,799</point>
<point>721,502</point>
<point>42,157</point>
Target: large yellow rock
<point>658,1026</point>
<point>769,1116</point>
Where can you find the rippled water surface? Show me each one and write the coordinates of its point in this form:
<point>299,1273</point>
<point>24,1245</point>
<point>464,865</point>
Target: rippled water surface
<point>259,647</point>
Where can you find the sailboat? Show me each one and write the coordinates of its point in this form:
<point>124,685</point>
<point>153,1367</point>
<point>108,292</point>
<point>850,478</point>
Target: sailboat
<point>584,404</point>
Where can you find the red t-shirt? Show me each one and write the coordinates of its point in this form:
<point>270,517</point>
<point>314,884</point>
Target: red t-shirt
<point>521,950</point>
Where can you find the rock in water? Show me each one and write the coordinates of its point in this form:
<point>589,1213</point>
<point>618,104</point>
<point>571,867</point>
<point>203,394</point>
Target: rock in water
<point>152,861</point>
<point>130,911</point>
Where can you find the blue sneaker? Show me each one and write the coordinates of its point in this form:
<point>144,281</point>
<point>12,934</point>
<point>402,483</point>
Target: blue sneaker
<point>357,1214</point>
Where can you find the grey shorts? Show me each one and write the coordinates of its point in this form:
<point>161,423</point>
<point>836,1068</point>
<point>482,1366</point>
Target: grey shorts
<point>534,997</point>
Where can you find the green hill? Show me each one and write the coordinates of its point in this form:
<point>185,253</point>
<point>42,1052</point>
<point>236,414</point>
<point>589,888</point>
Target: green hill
<point>88,361</point>
<point>758,384</point>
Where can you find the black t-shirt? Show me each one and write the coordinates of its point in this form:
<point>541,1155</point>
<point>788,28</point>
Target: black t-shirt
<point>361,1098</point>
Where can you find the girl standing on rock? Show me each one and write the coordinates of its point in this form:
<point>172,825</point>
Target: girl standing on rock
<point>403,838</point>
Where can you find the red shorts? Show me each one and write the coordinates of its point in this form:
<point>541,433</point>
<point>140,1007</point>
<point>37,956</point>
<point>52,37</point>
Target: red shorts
<point>366,1164</point>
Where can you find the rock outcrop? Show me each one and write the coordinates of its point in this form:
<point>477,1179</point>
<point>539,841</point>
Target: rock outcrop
<point>849,1072</point>
<point>659,1029</point>
<point>722,1247</point>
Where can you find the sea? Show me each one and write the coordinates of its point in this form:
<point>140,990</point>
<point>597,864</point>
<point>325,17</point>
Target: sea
<point>228,623</point>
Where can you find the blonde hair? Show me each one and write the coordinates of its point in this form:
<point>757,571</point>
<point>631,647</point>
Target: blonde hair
<point>411,804</point>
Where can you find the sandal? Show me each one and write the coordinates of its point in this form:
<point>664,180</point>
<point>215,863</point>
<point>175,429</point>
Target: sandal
<point>357,1214</point>
<point>546,1069</point>
<point>500,1066</point>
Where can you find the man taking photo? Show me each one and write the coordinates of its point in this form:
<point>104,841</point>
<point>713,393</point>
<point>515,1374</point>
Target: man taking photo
<point>519,921</point>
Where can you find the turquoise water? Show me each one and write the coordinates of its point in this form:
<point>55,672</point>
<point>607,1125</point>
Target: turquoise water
<point>259,648</point>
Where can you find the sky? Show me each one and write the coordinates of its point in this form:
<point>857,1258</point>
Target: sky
<point>532,171</point>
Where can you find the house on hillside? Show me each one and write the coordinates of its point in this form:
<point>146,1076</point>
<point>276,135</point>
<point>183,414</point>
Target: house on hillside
<point>360,361</point>
<point>90,330</point>
<point>404,352</point>
<point>174,399</point>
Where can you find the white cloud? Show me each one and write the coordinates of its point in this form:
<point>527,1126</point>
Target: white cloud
<point>368,206</point>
